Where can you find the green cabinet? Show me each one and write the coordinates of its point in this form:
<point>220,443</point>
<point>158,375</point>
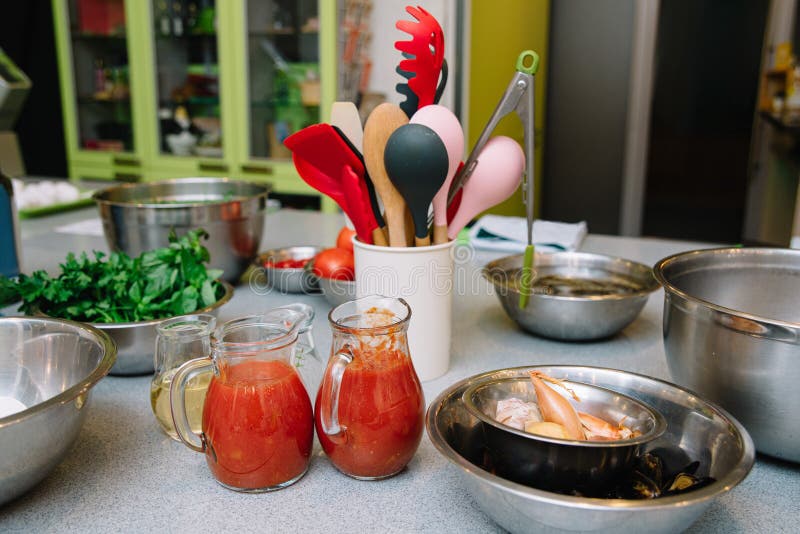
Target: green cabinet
<point>155,89</point>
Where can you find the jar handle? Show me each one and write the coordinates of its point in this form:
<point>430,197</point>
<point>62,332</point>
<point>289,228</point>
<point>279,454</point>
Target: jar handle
<point>177,402</point>
<point>331,387</point>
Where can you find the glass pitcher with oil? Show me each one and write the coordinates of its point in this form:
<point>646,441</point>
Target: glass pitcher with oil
<point>179,340</point>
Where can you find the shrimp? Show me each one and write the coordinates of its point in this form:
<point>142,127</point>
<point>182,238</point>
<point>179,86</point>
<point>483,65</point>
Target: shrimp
<point>555,408</point>
<point>600,430</point>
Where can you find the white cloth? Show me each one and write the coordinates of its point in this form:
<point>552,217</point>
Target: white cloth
<point>510,234</point>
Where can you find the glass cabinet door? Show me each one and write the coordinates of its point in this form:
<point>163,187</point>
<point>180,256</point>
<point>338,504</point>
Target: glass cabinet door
<point>187,77</point>
<point>283,72</point>
<point>98,36</point>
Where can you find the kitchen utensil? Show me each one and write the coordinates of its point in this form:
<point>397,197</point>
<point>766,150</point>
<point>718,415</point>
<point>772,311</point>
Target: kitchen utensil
<point>427,50</point>
<point>416,161</point>
<point>337,292</point>
<point>344,115</point>
<point>139,217</point>
<point>47,370</point>
<point>257,429</point>
<point>379,234</point>
<point>178,340</point>
<point>561,464</point>
<point>135,340</point>
<point>319,154</point>
<point>442,121</point>
<point>410,104</point>
<point>698,428</point>
<point>495,178</point>
<point>381,123</point>
<point>423,277</point>
<point>519,97</point>
<point>732,333</point>
<point>370,407</point>
<point>285,280</point>
<point>576,295</point>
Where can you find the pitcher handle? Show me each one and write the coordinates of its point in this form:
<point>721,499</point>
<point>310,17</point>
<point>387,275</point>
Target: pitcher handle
<point>331,387</point>
<point>177,402</point>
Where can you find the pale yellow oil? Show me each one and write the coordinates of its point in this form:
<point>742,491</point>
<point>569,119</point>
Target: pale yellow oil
<point>195,397</point>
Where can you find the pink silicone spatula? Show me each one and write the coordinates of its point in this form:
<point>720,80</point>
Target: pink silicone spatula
<point>442,121</point>
<point>497,175</point>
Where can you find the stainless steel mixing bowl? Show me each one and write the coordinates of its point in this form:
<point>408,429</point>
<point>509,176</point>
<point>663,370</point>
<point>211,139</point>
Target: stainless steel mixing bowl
<point>138,217</point>
<point>136,341</point>
<point>291,280</point>
<point>732,333</point>
<point>49,366</point>
<point>704,431</point>
<point>581,312</point>
<point>552,463</point>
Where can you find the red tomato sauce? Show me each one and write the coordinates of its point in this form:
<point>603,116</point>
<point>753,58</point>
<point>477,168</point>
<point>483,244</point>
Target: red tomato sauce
<point>382,405</point>
<point>287,264</point>
<point>258,423</point>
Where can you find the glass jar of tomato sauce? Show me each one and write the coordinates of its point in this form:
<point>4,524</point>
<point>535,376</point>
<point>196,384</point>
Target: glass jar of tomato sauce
<point>257,424</point>
<point>370,406</point>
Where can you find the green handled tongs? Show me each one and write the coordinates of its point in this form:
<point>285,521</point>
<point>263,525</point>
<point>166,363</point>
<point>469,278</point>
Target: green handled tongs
<point>519,97</point>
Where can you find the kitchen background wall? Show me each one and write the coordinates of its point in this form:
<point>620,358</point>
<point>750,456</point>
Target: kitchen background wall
<point>696,181</point>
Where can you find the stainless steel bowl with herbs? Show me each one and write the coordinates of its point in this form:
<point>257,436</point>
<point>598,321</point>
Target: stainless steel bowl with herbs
<point>126,297</point>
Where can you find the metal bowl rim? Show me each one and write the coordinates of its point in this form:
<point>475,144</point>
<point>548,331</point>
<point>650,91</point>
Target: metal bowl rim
<point>100,196</point>
<point>82,386</point>
<point>658,272</point>
<point>659,426</point>
<point>644,291</point>
<point>722,485</point>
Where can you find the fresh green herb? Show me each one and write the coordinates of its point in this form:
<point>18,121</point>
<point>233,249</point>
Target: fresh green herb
<point>161,283</point>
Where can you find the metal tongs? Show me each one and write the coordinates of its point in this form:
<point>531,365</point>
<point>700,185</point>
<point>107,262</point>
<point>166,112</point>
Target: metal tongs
<point>519,97</point>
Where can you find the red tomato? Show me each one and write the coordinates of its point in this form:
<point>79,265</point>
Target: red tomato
<point>335,263</point>
<point>345,239</point>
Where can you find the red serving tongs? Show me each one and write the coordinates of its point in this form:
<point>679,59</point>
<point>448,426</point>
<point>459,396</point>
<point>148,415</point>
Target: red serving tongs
<point>427,50</point>
<point>326,163</point>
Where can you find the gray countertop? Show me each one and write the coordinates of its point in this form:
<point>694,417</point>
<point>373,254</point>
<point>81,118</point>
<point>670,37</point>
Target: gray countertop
<point>125,475</point>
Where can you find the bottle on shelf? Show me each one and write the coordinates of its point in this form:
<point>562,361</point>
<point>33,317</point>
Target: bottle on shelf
<point>177,18</point>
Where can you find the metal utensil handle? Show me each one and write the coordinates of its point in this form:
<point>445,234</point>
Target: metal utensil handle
<point>521,82</point>
<point>177,402</point>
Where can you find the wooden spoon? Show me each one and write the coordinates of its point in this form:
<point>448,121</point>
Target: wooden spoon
<point>381,123</point>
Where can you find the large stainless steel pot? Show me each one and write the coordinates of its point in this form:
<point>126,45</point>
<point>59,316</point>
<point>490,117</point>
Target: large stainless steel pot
<point>138,217</point>
<point>732,333</point>
<point>47,368</point>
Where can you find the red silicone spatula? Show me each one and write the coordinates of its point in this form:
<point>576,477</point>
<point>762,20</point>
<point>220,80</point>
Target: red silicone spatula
<point>319,154</point>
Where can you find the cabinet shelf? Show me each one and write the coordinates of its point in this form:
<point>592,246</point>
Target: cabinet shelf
<point>184,36</point>
<point>79,35</point>
<point>239,113</point>
<point>84,99</point>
